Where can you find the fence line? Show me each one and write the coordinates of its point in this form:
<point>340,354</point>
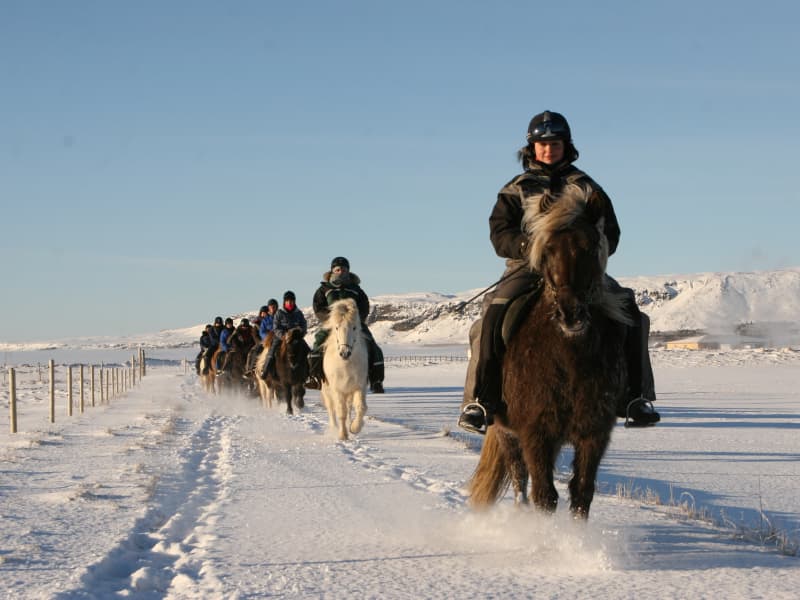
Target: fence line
<point>118,380</point>
<point>426,359</point>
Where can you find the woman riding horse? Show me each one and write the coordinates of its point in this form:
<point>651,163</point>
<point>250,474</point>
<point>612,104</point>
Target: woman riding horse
<point>565,371</point>
<point>547,159</point>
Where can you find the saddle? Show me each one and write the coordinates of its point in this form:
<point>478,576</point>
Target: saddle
<point>515,311</point>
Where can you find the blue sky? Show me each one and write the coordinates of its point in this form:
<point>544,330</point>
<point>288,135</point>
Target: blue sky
<point>162,163</point>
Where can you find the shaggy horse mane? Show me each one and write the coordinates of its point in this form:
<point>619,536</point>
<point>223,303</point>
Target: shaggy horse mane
<point>342,310</point>
<point>545,214</point>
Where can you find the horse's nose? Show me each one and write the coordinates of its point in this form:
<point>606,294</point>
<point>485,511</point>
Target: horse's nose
<point>345,353</point>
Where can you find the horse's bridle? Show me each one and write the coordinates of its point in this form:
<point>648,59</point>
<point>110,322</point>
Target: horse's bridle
<point>345,349</point>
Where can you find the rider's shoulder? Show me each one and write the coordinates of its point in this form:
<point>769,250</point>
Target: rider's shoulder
<point>574,175</point>
<point>530,177</point>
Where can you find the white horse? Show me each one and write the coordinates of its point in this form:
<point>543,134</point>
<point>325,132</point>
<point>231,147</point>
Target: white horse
<point>344,362</point>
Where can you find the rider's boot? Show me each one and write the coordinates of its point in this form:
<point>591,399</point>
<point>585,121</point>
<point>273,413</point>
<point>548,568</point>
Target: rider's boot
<point>376,369</point>
<point>479,414</point>
<point>314,370</point>
<point>637,407</point>
<point>487,397</point>
<point>267,366</point>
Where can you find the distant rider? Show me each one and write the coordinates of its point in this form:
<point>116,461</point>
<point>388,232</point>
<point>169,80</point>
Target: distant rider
<point>288,317</point>
<point>337,284</point>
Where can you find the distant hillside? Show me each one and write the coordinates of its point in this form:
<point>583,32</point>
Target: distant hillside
<point>767,301</point>
<point>761,304</point>
<point>757,304</point>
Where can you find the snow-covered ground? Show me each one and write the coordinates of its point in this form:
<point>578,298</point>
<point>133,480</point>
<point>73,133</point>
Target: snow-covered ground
<point>168,492</point>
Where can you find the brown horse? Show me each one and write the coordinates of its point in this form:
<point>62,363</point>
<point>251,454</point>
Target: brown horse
<point>291,368</point>
<point>207,378</point>
<point>564,369</point>
<point>232,377</point>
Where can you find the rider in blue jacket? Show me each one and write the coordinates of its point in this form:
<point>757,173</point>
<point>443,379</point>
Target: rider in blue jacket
<point>267,318</point>
<point>223,341</point>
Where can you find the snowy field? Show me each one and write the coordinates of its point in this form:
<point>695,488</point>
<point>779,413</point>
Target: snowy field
<point>172,493</point>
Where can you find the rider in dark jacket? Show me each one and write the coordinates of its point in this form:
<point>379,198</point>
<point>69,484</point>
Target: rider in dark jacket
<point>547,160</point>
<point>337,284</point>
<point>214,334</point>
<point>206,342</point>
<point>288,317</point>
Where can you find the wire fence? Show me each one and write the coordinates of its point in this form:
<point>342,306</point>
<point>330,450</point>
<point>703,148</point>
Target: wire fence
<point>85,385</point>
<point>424,359</point>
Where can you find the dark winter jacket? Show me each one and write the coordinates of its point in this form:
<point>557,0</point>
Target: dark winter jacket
<point>286,320</point>
<point>241,340</point>
<point>206,340</point>
<point>505,222</point>
<point>216,331</point>
<point>328,293</point>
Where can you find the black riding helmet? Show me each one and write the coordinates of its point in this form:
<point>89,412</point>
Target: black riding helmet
<point>218,321</point>
<point>289,295</point>
<point>228,321</point>
<point>340,261</point>
<point>272,302</point>
<point>548,126</point>
<point>263,309</point>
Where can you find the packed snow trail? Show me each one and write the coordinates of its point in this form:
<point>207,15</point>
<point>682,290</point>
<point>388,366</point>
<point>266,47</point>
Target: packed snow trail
<point>186,495</point>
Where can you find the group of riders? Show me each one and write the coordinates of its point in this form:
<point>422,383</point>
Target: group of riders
<point>220,340</point>
<point>547,159</point>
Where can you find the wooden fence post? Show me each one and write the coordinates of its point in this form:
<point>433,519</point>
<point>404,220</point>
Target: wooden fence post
<point>81,379</point>
<point>52,369</point>
<point>91,368</point>
<point>12,398</point>
<point>69,390</point>
<point>101,384</point>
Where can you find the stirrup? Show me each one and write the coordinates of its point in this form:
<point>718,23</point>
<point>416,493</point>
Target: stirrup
<point>469,426</point>
<point>631,422</point>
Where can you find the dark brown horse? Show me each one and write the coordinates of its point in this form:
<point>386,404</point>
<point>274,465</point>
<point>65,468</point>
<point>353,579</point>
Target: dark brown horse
<point>564,369</point>
<point>291,369</point>
<point>232,377</point>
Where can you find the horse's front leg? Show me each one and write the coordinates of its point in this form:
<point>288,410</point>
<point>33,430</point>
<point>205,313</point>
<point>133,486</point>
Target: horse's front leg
<point>327,400</point>
<point>588,453</point>
<point>342,413</point>
<point>360,406</point>
<point>515,463</point>
<point>298,393</point>
<point>287,394</point>
<point>540,457</point>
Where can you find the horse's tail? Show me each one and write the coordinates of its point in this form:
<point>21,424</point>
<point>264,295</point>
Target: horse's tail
<point>491,477</point>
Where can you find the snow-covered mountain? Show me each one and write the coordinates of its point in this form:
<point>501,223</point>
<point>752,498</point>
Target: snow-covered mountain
<point>761,303</point>
<point>758,303</point>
